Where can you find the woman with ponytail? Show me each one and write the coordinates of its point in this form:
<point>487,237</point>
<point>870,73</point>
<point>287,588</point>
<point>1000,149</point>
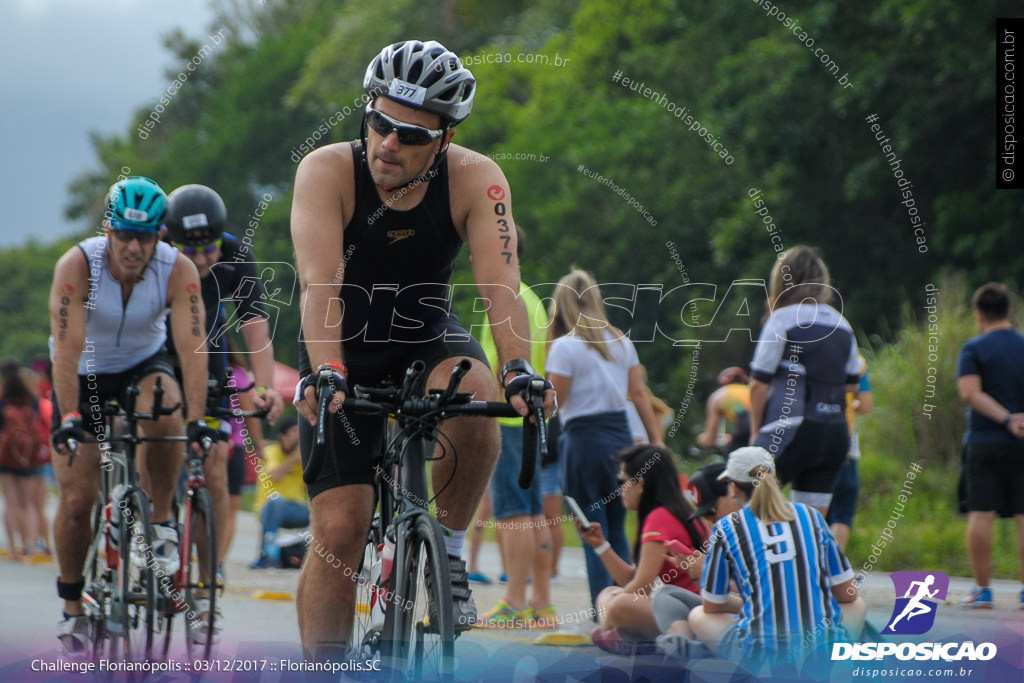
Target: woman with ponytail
<point>797,592</point>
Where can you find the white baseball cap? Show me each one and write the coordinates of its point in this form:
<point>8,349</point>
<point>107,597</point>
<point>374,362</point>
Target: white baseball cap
<point>744,460</point>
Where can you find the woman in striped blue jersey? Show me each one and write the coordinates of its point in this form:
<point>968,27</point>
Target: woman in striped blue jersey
<point>797,592</point>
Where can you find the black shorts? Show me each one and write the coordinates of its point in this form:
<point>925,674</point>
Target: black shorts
<point>357,440</point>
<point>94,390</point>
<point>813,460</point>
<point>995,477</point>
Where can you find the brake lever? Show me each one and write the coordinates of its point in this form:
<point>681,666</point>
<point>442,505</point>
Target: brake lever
<point>460,370</point>
<point>537,404</point>
<point>158,397</point>
<point>324,396</point>
<point>412,373</point>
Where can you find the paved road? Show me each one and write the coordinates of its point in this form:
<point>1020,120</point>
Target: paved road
<point>266,629</point>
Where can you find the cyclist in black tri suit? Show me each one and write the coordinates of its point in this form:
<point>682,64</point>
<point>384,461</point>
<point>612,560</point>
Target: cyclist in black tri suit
<point>382,220</point>
<point>196,219</point>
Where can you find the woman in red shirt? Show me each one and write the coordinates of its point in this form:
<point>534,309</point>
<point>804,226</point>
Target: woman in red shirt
<point>649,484</point>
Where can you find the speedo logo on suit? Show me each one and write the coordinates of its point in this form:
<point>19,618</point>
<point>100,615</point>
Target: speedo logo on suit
<point>398,235</point>
<point>918,595</point>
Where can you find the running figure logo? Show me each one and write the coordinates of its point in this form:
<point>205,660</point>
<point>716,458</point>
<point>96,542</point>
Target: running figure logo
<point>914,613</point>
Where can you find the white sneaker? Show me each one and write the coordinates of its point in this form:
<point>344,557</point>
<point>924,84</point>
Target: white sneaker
<point>165,549</point>
<point>75,636</point>
<point>199,626</point>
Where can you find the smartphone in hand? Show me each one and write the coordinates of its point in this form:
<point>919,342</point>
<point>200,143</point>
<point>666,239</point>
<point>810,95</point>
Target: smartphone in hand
<point>678,547</point>
<point>577,512</point>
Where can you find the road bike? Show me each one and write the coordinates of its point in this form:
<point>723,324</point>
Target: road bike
<point>194,590</point>
<point>120,595</point>
<point>416,637</point>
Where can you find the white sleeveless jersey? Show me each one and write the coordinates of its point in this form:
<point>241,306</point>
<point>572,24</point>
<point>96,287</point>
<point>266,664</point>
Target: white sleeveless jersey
<point>119,335</point>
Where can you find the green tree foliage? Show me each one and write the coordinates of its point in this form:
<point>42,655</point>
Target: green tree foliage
<point>24,303</point>
<point>753,83</point>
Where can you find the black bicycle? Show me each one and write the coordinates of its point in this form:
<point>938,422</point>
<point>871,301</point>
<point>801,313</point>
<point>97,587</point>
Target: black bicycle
<point>416,637</point>
<point>194,590</point>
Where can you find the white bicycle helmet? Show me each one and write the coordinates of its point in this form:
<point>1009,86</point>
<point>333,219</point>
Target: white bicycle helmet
<point>424,75</point>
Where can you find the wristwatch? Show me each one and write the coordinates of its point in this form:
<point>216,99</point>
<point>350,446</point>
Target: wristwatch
<point>1007,419</point>
<point>517,365</point>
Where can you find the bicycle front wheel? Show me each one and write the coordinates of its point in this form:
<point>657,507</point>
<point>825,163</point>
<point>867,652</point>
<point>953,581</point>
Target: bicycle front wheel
<point>366,625</point>
<point>98,577</point>
<point>200,575</point>
<point>135,598</point>
<point>420,633</point>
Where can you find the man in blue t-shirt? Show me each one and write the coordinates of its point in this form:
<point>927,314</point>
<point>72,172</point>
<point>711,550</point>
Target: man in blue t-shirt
<point>990,379</point>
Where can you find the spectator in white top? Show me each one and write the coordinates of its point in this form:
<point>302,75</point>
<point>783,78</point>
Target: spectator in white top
<point>595,370</point>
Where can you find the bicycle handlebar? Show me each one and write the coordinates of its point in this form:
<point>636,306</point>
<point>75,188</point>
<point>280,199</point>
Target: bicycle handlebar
<point>403,402</point>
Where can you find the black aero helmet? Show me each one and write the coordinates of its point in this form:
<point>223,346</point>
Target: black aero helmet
<point>195,216</point>
<point>423,75</point>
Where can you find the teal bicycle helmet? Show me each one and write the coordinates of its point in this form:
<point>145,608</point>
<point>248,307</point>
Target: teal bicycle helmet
<point>136,203</point>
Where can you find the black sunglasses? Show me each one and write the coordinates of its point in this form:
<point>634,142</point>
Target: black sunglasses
<point>408,134</point>
<point>144,237</point>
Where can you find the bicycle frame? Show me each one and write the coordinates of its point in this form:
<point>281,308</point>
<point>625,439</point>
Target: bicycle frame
<point>107,604</point>
<point>403,500</point>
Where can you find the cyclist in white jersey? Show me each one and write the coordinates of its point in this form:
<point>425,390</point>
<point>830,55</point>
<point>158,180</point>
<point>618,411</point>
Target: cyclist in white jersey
<point>108,308</point>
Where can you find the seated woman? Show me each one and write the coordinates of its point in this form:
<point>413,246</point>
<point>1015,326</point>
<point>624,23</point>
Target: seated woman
<point>797,592</point>
<point>672,603</point>
<point>650,485</point>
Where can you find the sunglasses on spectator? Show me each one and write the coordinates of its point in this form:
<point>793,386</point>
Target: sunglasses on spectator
<point>408,134</point>
<point>206,249</point>
<point>126,235</point>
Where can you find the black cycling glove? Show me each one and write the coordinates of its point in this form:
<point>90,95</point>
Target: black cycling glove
<point>70,429</point>
<point>527,387</point>
<point>198,430</point>
<point>330,373</point>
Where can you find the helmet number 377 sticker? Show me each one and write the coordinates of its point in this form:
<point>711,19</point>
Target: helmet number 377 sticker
<point>407,92</point>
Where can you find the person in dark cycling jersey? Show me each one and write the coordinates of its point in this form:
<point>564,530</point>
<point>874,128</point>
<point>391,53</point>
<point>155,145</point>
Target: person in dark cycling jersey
<point>805,361</point>
<point>377,225</point>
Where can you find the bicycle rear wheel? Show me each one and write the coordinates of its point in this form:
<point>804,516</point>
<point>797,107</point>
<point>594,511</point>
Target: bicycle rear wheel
<point>200,575</point>
<point>421,645</point>
<point>135,598</point>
